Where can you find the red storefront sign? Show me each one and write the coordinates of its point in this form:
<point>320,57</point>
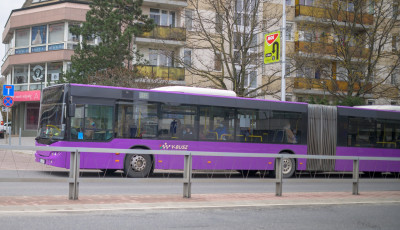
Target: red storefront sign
<point>27,95</point>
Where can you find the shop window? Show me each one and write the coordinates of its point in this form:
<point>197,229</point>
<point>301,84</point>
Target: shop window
<point>32,116</point>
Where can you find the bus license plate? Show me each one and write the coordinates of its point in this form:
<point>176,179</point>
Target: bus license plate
<point>43,161</point>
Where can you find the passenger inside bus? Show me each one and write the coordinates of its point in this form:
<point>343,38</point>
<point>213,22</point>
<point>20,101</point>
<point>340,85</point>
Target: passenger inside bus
<point>221,131</point>
<point>290,137</point>
<point>187,133</point>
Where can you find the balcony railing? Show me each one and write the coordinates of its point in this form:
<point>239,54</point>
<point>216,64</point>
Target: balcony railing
<point>162,72</point>
<point>329,49</point>
<point>332,14</point>
<point>326,84</point>
<point>166,33</point>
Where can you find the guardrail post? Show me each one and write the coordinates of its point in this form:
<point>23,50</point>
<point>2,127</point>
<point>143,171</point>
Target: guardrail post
<point>278,171</point>
<point>356,176</point>
<point>187,177</point>
<point>73,175</point>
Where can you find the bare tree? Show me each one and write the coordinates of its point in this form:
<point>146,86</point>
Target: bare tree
<point>226,39</point>
<point>348,49</point>
<point>124,77</point>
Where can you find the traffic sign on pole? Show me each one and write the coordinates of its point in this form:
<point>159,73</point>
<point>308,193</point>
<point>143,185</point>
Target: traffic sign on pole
<point>271,47</point>
<point>8,90</point>
<point>8,101</point>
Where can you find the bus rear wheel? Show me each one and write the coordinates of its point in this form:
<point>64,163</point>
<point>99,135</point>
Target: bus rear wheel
<point>137,166</point>
<point>288,167</point>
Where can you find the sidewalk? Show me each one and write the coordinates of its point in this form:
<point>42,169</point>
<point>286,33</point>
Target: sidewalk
<point>11,204</point>
<point>25,141</point>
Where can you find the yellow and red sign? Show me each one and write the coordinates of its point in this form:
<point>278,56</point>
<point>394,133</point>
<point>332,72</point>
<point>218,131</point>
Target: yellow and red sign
<point>272,43</point>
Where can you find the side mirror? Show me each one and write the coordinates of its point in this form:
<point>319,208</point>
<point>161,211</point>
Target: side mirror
<point>71,110</point>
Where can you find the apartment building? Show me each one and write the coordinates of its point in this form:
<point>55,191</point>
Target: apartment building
<point>329,42</point>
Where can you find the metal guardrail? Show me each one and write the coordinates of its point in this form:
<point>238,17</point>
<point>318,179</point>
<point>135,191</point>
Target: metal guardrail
<point>73,178</point>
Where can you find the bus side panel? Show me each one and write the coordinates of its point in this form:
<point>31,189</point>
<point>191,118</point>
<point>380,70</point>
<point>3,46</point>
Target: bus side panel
<point>372,166</point>
<point>227,163</point>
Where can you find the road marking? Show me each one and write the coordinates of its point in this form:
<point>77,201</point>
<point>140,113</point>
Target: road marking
<point>54,209</point>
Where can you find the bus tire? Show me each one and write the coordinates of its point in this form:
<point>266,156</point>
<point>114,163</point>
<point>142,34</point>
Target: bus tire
<point>137,166</point>
<point>288,167</point>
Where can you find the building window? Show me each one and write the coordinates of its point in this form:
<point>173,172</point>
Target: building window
<point>20,74</point>
<point>39,35</point>
<point>395,77</point>
<point>163,17</point>
<point>218,23</point>
<point>56,33</point>
<point>54,71</point>
<point>22,38</point>
<point>218,62</point>
<point>288,68</point>
<point>37,76</point>
<point>395,41</point>
<point>161,57</point>
<point>189,19</point>
<point>289,31</point>
<point>395,9</point>
<point>244,9</point>
<point>307,2</point>
<point>371,6</point>
<point>73,37</point>
<point>155,15</point>
<point>250,79</point>
<point>187,57</point>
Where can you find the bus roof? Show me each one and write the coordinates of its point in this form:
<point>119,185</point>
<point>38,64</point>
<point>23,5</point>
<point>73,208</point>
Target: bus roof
<point>197,90</point>
<point>380,107</point>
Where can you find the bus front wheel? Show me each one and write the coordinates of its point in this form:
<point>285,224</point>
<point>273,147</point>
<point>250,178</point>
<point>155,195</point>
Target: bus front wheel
<point>137,166</point>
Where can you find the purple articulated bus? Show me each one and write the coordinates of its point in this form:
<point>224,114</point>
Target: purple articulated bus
<point>74,115</point>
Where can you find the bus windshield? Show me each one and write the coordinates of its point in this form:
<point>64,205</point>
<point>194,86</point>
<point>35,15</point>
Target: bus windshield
<point>52,112</point>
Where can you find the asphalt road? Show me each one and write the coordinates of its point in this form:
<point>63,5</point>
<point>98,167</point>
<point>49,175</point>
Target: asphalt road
<point>349,217</point>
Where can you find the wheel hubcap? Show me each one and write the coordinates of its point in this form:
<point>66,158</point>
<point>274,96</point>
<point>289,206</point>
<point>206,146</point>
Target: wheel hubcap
<point>287,166</point>
<point>138,163</point>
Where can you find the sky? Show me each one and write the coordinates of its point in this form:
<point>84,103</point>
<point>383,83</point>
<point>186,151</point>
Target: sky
<point>6,6</point>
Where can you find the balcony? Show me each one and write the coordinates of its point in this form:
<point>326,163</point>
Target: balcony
<point>329,49</point>
<point>325,84</point>
<point>162,72</point>
<point>166,33</point>
<point>341,16</point>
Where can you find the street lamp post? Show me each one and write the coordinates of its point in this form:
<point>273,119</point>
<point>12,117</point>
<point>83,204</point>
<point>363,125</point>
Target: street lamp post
<point>283,59</point>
